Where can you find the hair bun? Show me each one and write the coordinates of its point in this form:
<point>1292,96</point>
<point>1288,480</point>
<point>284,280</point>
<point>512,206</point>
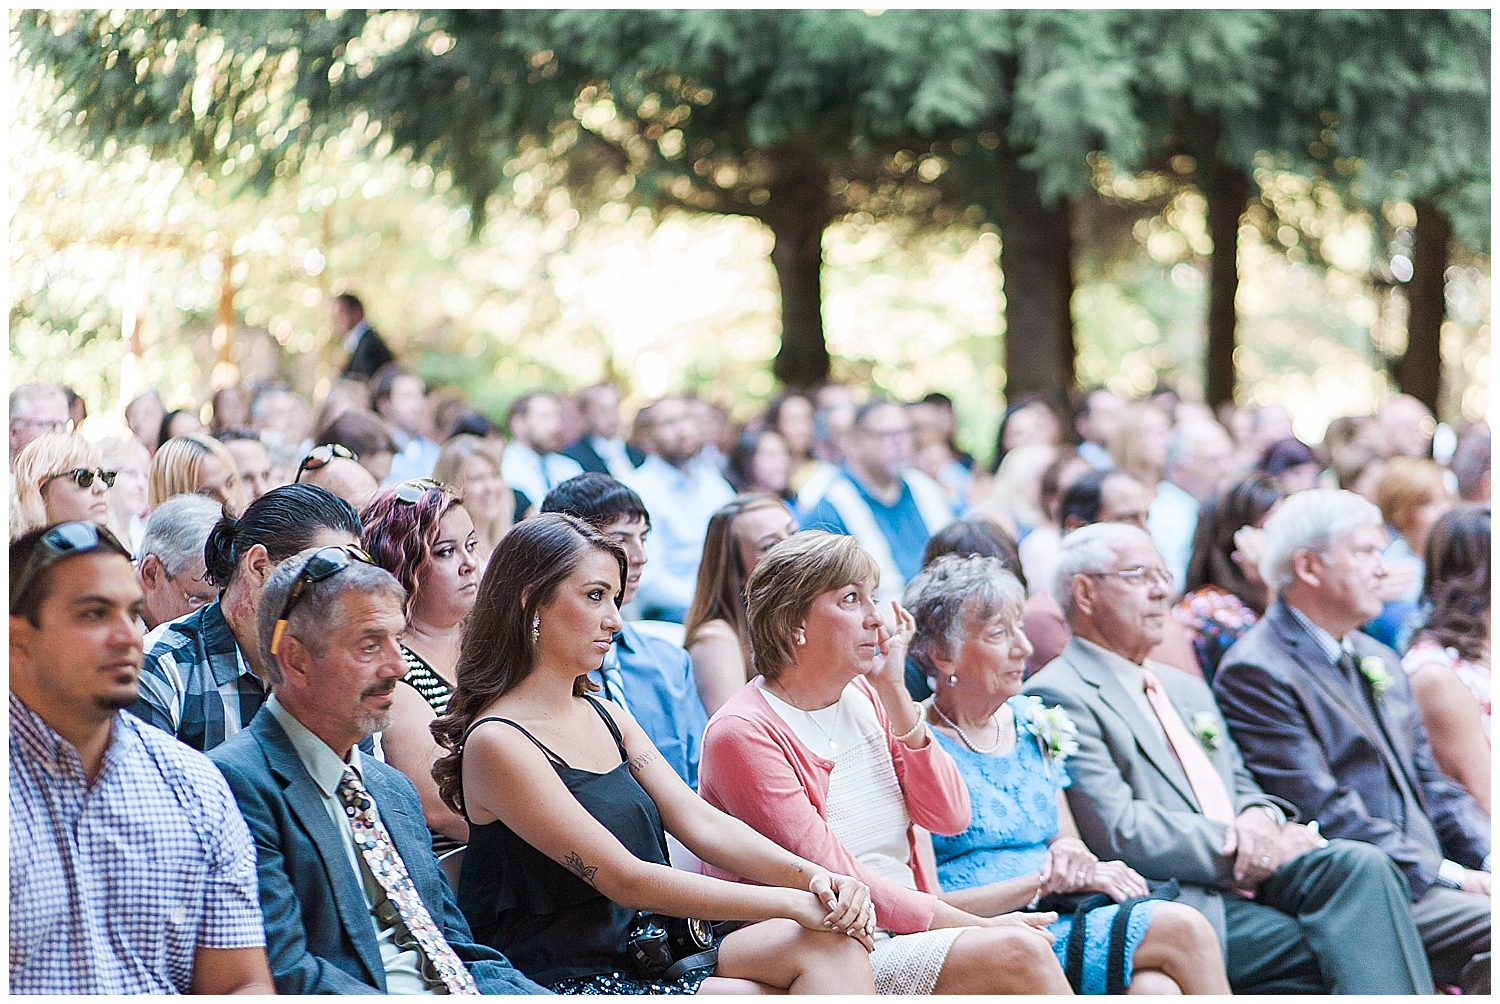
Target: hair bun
<point>218,551</point>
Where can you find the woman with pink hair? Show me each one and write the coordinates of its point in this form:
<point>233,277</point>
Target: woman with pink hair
<point>420,532</point>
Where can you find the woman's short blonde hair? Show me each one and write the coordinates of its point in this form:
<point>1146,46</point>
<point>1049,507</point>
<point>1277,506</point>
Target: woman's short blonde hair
<point>1406,485</point>
<point>177,465</point>
<point>46,455</point>
<point>789,577</point>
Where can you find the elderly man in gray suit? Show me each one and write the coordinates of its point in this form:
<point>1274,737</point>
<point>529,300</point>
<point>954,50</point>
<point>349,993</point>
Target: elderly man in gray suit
<point>1326,719</point>
<point>1159,784</point>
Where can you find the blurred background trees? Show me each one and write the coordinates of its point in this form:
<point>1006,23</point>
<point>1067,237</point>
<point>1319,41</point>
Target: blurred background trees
<point>1228,200</point>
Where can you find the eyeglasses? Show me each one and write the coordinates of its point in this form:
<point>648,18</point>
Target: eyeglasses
<point>45,424</point>
<point>83,477</point>
<point>322,456</point>
<point>325,563</point>
<point>195,601</point>
<point>1140,573</point>
<point>62,541</point>
<point>414,491</point>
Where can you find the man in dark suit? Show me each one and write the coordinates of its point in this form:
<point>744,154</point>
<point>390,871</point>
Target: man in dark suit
<point>1159,784</point>
<point>352,895</point>
<point>1326,720</point>
<point>600,448</point>
<point>367,350</point>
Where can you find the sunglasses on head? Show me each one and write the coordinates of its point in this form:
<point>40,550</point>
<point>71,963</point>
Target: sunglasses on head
<point>83,477</point>
<point>325,563</point>
<point>414,491</point>
<point>62,541</point>
<point>322,456</point>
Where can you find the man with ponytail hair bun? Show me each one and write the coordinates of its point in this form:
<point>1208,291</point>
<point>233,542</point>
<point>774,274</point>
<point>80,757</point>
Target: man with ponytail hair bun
<point>203,678</point>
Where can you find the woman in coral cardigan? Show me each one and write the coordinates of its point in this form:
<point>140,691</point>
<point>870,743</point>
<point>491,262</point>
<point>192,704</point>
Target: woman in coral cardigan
<point>826,753</point>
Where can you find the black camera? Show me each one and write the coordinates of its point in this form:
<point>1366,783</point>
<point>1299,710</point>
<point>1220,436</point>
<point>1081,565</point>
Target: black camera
<point>658,943</point>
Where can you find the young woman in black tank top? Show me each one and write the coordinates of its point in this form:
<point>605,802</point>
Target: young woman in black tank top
<point>567,798</point>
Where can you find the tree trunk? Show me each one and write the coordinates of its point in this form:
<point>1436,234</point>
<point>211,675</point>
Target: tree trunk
<point>1036,259</point>
<point>1228,191</point>
<point>798,212</point>
<point>1420,371</point>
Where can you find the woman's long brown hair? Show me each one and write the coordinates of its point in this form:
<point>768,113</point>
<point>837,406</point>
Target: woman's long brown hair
<point>498,652</point>
<point>720,593</point>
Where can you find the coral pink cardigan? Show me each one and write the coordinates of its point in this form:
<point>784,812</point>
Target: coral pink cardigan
<point>756,769</point>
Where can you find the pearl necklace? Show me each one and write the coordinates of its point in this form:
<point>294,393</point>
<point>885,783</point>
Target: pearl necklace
<point>999,732</point>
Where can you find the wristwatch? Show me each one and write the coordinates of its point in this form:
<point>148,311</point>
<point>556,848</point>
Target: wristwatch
<point>1277,815</point>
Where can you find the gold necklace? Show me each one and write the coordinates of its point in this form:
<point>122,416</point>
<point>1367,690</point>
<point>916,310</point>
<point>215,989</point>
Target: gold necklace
<point>816,724</point>
<point>999,732</point>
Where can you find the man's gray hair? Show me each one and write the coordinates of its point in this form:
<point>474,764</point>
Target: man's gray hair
<point>1090,548</point>
<point>311,618</point>
<point>178,529</point>
<point>951,594</point>
<point>1309,519</point>
<point>22,397</point>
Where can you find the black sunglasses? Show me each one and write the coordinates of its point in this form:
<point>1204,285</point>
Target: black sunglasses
<point>325,563</point>
<point>84,478</point>
<point>414,491</point>
<point>62,541</point>
<point>322,456</point>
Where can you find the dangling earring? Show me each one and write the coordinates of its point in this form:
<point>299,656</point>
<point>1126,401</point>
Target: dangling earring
<point>952,679</point>
<point>536,628</point>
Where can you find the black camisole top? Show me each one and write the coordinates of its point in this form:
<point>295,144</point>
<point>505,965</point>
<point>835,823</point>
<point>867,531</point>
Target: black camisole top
<point>551,924</point>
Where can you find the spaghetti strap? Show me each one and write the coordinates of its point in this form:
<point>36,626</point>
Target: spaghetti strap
<point>506,721</point>
<point>614,729</point>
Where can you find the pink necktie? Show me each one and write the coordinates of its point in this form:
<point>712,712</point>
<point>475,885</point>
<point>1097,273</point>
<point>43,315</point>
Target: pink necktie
<point>1213,799</point>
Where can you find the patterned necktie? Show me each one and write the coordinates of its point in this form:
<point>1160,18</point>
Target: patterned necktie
<point>1213,797</point>
<point>385,863</point>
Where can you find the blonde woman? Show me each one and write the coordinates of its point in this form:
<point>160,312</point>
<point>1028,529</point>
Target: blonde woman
<point>196,464</point>
<point>827,755</point>
<point>128,502</point>
<point>60,476</point>
<point>471,466</point>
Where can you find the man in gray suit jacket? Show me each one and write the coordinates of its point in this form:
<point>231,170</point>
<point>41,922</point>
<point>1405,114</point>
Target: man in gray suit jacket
<point>1326,916</point>
<point>1326,719</point>
<point>353,899</point>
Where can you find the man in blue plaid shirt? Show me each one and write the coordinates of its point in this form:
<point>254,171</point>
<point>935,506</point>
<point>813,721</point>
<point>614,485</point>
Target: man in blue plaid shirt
<point>131,868</point>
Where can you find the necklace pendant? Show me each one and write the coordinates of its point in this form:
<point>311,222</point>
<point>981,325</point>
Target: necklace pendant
<point>832,745</point>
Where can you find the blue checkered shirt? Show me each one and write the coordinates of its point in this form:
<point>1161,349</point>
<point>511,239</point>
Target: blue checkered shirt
<point>114,886</point>
<point>195,682</point>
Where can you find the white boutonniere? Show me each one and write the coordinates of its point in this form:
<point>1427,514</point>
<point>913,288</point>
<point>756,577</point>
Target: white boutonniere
<point>1206,727</point>
<point>1373,669</point>
<point>1053,729</point>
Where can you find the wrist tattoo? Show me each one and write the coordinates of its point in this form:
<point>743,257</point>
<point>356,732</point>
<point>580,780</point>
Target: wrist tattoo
<point>640,760</point>
<point>575,864</point>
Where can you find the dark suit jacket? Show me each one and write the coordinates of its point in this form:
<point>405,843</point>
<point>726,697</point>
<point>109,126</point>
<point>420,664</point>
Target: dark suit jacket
<point>1309,737</point>
<point>319,934</point>
<point>370,353</point>
<point>1131,799</point>
<point>588,458</point>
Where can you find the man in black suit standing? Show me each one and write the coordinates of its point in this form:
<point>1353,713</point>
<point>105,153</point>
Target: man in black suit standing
<point>600,448</point>
<point>1325,719</point>
<point>367,350</point>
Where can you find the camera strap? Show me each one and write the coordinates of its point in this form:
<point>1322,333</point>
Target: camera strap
<point>703,960</point>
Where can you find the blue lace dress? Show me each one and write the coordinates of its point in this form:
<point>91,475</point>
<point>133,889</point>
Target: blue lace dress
<point>1014,799</point>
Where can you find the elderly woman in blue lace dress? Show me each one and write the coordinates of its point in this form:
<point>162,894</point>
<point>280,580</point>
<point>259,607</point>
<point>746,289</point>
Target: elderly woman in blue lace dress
<point>1022,844</point>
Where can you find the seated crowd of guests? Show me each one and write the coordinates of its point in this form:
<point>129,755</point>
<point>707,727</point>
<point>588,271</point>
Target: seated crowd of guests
<point>482,721</point>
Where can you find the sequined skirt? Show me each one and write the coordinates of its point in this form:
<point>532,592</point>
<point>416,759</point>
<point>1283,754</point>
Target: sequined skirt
<point>619,983</point>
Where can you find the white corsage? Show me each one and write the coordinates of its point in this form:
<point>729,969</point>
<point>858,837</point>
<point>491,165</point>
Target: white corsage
<point>1206,727</point>
<point>1373,669</point>
<point>1053,729</point>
